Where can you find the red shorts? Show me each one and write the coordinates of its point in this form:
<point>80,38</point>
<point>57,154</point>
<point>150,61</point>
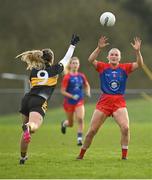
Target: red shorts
<point>71,107</point>
<point>110,103</point>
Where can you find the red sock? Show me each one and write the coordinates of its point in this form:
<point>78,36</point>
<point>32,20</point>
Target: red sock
<point>124,153</point>
<point>81,154</point>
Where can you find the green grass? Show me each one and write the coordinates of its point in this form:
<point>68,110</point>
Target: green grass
<point>53,155</point>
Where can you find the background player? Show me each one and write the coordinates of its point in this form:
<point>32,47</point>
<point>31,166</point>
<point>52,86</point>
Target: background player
<point>113,77</point>
<point>72,89</point>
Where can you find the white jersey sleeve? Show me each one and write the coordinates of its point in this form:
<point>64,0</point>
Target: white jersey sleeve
<point>67,56</point>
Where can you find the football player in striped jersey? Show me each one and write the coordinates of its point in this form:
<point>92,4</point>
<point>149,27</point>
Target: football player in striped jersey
<point>43,79</point>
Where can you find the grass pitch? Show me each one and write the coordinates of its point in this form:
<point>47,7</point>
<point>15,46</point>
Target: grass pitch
<point>53,155</point>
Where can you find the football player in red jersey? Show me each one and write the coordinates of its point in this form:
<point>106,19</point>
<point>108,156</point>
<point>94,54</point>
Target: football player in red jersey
<point>72,87</point>
<point>113,76</point>
<point>43,79</point>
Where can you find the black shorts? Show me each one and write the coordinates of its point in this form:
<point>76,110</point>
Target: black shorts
<point>32,103</point>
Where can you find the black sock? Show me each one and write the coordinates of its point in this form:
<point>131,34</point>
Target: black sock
<point>79,135</point>
<point>23,154</point>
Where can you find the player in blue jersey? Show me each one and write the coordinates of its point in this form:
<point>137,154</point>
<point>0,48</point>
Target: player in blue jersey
<point>72,87</point>
<point>43,79</point>
<point>113,76</point>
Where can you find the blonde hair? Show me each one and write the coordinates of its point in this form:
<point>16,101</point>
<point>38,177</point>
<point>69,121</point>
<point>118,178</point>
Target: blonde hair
<point>35,58</point>
<point>114,49</point>
<point>67,68</point>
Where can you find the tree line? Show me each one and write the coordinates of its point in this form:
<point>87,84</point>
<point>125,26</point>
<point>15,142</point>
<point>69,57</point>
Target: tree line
<point>36,24</point>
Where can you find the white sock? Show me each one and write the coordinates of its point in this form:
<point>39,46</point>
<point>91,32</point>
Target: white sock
<point>24,158</point>
<point>124,147</point>
<point>79,138</point>
<point>64,124</point>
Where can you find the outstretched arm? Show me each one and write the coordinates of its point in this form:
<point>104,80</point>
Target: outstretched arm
<point>101,44</point>
<point>75,39</point>
<point>139,59</point>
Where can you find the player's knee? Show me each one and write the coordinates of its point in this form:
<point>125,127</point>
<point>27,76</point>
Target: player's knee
<point>33,126</point>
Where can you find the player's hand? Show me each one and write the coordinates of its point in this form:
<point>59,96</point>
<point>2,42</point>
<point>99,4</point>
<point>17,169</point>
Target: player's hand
<point>75,97</point>
<point>102,42</point>
<point>75,39</point>
<point>137,43</point>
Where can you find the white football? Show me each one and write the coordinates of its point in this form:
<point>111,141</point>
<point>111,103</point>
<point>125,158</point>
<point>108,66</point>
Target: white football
<point>107,19</point>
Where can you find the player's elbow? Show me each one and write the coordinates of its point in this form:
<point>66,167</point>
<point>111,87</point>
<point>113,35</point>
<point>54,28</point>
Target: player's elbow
<point>140,63</point>
<point>90,60</point>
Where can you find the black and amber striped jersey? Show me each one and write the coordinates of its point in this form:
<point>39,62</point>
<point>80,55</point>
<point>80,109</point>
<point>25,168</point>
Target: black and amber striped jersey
<point>43,81</point>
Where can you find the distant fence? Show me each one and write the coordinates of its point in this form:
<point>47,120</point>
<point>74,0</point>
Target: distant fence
<point>10,99</point>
